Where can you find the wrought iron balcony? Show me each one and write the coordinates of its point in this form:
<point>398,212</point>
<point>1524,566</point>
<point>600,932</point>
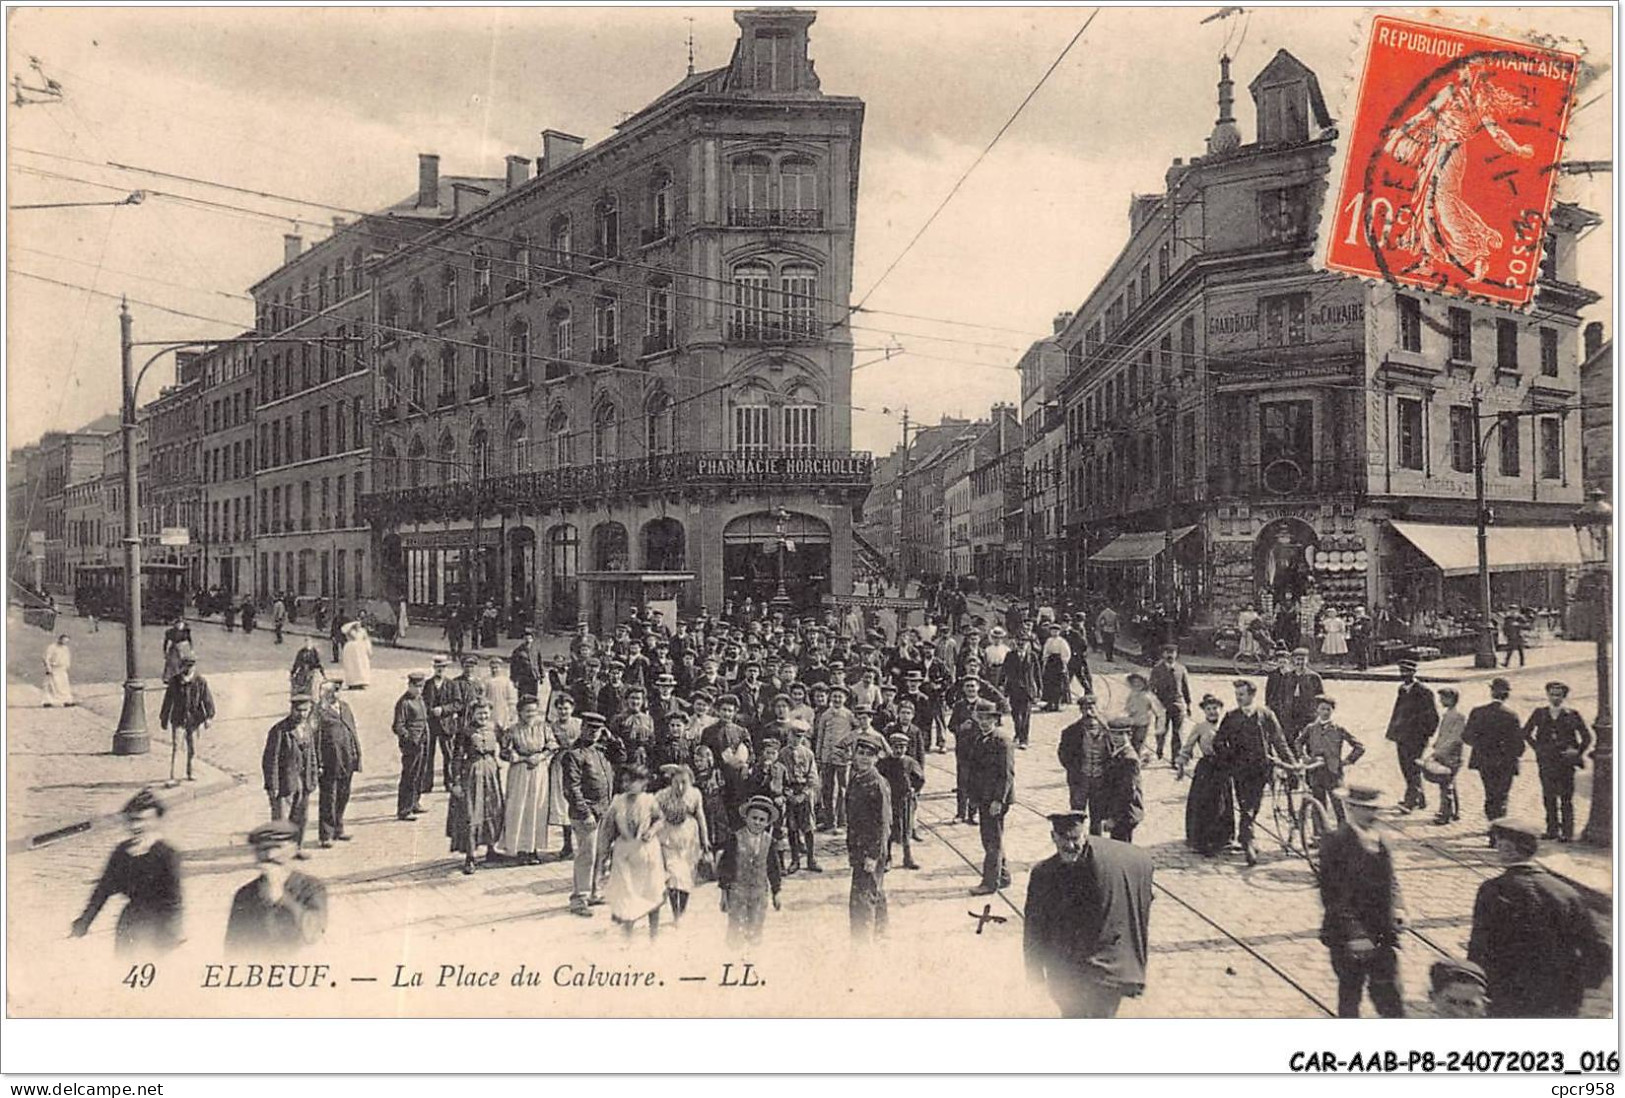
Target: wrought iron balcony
<point>775,328</point>
<point>740,218</point>
<point>479,301</point>
<point>655,233</point>
<point>844,471</point>
<point>607,355</point>
<point>448,397</point>
<point>656,342</point>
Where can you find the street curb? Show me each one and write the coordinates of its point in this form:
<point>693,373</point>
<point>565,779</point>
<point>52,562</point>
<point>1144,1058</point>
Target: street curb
<point>172,797</point>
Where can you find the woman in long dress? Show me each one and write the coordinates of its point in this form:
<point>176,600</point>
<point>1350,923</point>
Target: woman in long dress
<point>357,656</point>
<point>629,839</point>
<point>58,659</point>
<point>564,728</point>
<point>529,748</point>
<point>146,869</point>
<point>685,838</point>
<point>475,815</point>
<point>1209,808</point>
<point>1335,643</point>
<point>1057,658</point>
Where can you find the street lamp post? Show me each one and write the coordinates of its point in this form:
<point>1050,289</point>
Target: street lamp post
<point>131,737</point>
<point>1597,516</point>
<point>781,597</point>
<point>1484,653</point>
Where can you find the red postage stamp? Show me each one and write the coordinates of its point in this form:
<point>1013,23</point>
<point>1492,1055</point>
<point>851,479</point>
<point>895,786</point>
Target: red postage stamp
<point>1450,161</point>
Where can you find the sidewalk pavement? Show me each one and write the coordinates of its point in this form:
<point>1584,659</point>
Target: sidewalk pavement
<point>62,777</point>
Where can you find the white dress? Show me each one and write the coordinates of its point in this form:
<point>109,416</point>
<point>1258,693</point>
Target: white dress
<point>637,871</point>
<point>525,823</point>
<point>58,691</point>
<point>1244,622</point>
<point>680,837</point>
<point>357,657</point>
<point>504,699</point>
<point>1336,641</point>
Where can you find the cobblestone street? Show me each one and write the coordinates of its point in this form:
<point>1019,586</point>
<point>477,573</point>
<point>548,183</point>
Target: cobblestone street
<point>1227,941</point>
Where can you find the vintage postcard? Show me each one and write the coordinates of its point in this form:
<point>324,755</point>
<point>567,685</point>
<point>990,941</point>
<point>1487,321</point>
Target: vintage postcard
<point>813,513</point>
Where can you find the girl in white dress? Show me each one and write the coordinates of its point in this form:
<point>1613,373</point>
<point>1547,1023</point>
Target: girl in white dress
<point>357,657</point>
<point>683,839</point>
<point>1335,641</point>
<point>58,659</point>
<point>629,839</point>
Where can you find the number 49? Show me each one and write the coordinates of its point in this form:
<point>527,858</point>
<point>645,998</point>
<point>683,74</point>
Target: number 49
<point>140,976</point>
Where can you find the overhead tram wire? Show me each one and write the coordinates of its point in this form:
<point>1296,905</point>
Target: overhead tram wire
<point>915,239</point>
<point>448,230</point>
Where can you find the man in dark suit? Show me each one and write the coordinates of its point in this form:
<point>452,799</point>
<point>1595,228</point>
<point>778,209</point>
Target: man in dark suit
<point>1494,734</point>
<point>338,752</point>
<point>1086,922</point>
<point>524,668</point>
<point>1532,934</point>
<point>1410,727</point>
<point>1247,737</point>
<point>1018,676</point>
<point>990,775</point>
<point>1363,908</point>
<point>1560,738</point>
<point>441,699</point>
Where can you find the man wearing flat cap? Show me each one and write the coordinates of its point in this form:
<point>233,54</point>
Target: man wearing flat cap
<point>443,700</point>
<point>282,910</point>
<point>868,836</point>
<point>1087,920</point>
<point>338,753</point>
<point>187,710</point>
<point>990,773</point>
<point>410,724</point>
<point>1457,989</point>
<point>1414,720</point>
<point>291,768</point>
<point>1532,933</point>
<point>1560,739</point>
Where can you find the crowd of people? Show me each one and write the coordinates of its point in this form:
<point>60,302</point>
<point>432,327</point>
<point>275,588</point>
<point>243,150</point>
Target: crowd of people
<point>730,749</point>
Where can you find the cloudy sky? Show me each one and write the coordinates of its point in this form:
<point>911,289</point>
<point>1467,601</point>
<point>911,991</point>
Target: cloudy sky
<point>334,105</point>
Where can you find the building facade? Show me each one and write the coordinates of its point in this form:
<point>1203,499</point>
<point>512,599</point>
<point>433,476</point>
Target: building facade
<point>66,458</point>
<point>24,524</point>
<point>227,467</point>
<point>1244,430</point>
<point>1597,411</point>
<point>638,381</point>
<point>172,488</point>
<point>1043,501</point>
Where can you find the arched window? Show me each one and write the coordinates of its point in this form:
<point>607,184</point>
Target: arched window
<point>304,297</point>
<point>558,239</point>
<point>447,463</point>
<point>338,280</point>
<point>389,470</point>
<point>418,318</point>
<point>391,317</point>
<point>606,334</point>
<point>417,379</point>
<point>559,339</point>
<point>660,197</point>
<point>605,433</point>
<point>480,383</point>
<point>798,421</point>
<point>448,373</point>
<point>518,353</point>
<point>750,191</point>
<point>392,395</point>
<point>482,278</point>
<point>607,222</point>
<point>479,452</point>
<point>414,463</point>
<point>518,446</point>
<point>751,417</point>
<point>355,271</point>
<point>560,442</point>
<point>448,293</point>
<point>798,289</point>
<point>752,308</point>
<point>321,290</point>
<point>798,192</point>
<point>661,423</point>
<point>519,265</point>
<point>657,316</point>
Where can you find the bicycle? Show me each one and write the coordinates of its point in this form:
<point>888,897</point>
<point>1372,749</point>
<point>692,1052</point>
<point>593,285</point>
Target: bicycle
<point>1249,664</point>
<point>1300,822</point>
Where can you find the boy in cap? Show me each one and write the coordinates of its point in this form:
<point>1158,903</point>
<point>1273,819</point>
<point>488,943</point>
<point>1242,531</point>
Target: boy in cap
<point>1560,739</point>
<point>1363,908</point>
<point>768,779</point>
<point>905,777</point>
<point>1323,739</point>
<point>187,710</point>
<point>800,795</point>
<point>748,875</point>
<point>868,837</point>
<point>1122,799</point>
<point>282,910</point>
<point>1457,989</point>
<point>833,735</point>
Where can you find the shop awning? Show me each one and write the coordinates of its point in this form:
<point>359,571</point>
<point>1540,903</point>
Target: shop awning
<point>1511,548</point>
<point>1137,548</point>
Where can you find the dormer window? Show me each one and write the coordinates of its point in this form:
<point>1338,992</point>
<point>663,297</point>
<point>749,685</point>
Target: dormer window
<point>773,60</point>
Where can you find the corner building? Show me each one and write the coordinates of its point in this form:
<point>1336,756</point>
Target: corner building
<point>627,379</point>
<point>1290,436</point>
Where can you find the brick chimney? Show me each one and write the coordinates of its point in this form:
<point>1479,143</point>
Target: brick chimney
<point>558,149</point>
<point>428,181</point>
<point>1593,338</point>
<point>338,223</point>
<point>518,171</point>
<point>1061,321</point>
<point>292,245</point>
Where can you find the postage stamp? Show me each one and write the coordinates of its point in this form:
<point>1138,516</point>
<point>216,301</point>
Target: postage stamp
<point>1450,161</point>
